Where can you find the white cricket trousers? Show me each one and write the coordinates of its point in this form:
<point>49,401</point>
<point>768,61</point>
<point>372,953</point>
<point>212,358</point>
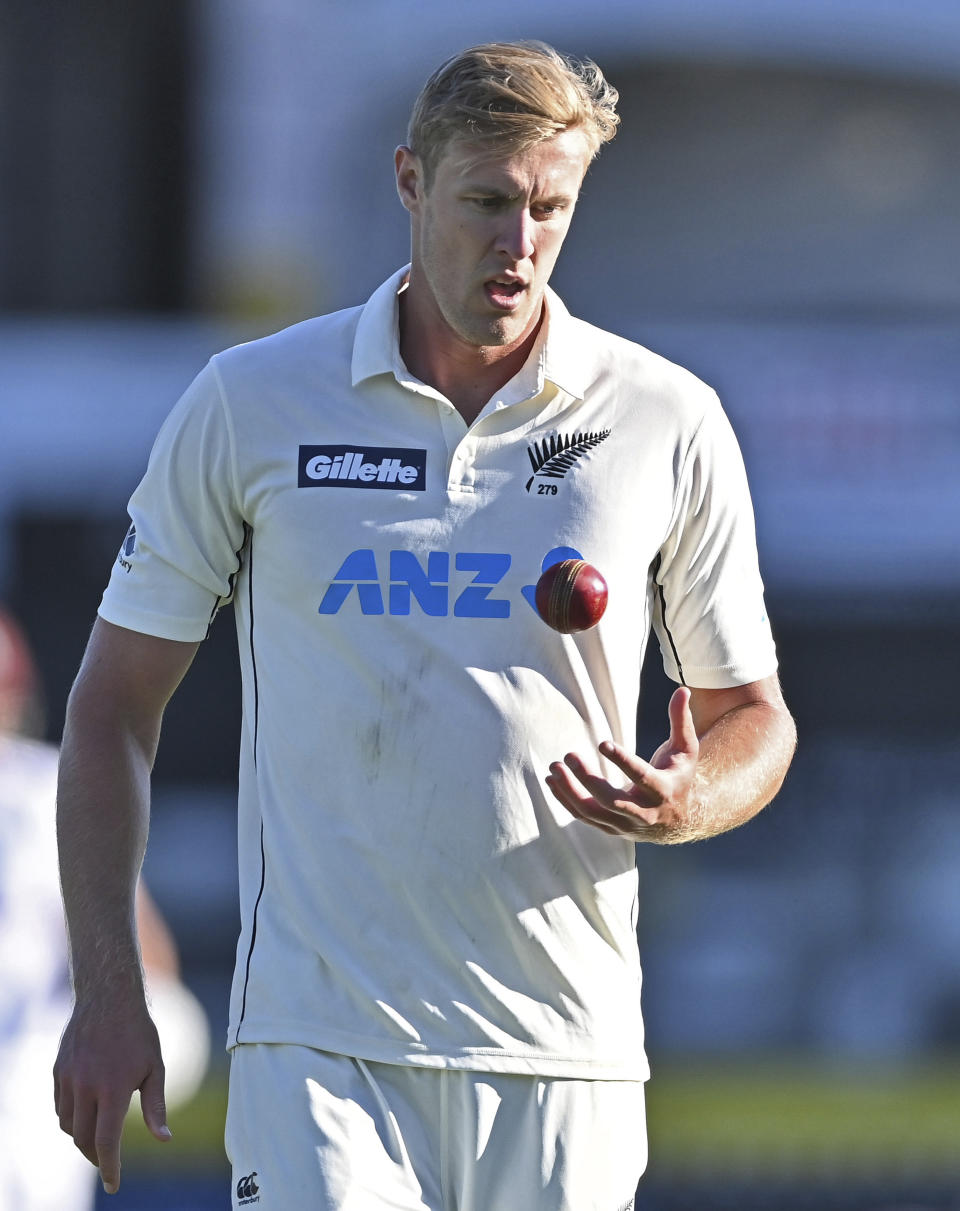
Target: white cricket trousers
<point>308,1130</point>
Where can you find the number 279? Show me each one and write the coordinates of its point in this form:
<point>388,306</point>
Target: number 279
<point>546,489</point>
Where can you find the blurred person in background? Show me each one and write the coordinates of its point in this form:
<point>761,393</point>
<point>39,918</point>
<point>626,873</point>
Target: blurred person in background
<point>437,992</point>
<point>42,1170</point>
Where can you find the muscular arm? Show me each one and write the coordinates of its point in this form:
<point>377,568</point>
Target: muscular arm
<point>110,740</point>
<point>725,758</point>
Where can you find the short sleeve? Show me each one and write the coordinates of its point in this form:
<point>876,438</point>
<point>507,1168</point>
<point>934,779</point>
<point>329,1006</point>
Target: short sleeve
<point>709,612</point>
<point>178,562</point>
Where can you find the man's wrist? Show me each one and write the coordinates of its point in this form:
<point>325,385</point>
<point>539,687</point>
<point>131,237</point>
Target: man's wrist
<point>121,983</point>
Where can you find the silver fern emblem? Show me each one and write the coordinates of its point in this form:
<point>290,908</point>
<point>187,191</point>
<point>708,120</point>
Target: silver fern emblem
<point>555,455</point>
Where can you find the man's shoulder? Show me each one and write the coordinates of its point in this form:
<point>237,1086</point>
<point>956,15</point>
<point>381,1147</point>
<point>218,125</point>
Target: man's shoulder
<point>310,342</point>
<point>631,367</point>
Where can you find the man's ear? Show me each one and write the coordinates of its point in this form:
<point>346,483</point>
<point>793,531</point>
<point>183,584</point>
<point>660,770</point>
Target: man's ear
<point>409,169</point>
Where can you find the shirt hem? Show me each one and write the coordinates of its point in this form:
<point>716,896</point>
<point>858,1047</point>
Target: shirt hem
<point>478,1059</point>
<point>727,676</point>
<point>158,625</point>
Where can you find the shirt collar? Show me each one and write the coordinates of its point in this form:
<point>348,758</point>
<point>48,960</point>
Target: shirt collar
<point>376,347</point>
<point>564,357</point>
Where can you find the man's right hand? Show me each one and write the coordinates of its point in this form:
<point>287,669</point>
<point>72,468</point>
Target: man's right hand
<point>108,1051</point>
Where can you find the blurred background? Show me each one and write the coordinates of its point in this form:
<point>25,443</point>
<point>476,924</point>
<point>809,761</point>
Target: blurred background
<point>780,213</point>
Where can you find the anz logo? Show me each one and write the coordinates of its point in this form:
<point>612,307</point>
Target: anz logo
<point>468,594</point>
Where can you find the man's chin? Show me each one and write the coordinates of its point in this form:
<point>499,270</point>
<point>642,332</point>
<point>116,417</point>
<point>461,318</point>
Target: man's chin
<point>502,330</point>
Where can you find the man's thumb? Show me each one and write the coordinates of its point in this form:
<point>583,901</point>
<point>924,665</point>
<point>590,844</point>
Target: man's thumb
<point>683,733</point>
<point>153,1106</point>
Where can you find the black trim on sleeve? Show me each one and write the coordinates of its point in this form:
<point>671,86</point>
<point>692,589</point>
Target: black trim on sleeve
<point>663,618</point>
<point>213,614</point>
<point>232,581</point>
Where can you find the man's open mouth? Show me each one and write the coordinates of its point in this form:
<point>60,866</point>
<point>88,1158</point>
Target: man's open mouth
<point>504,294</point>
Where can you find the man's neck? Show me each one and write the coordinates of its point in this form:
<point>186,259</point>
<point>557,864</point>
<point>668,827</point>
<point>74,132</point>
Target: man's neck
<point>466,375</point>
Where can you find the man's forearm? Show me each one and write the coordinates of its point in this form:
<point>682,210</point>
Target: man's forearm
<point>102,823</point>
<point>743,759</point>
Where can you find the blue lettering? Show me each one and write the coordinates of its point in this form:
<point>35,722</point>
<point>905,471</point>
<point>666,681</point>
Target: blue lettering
<point>429,586</point>
<point>558,555</point>
<point>408,579</point>
<point>529,591</point>
<point>475,602</point>
<point>359,566</point>
<point>334,598</point>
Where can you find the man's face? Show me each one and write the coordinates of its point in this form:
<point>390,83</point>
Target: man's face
<point>487,233</point>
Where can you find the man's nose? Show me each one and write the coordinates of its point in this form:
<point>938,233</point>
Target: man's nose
<point>516,235</point>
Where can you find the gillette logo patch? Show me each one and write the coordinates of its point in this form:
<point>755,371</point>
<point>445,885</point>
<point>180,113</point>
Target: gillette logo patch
<point>367,467</point>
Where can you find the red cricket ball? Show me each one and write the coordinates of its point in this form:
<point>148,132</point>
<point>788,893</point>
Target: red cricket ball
<point>571,596</point>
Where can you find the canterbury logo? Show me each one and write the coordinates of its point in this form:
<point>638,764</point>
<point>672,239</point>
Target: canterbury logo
<point>247,1189</point>
<point>127,550</point>
<point>554,456</point>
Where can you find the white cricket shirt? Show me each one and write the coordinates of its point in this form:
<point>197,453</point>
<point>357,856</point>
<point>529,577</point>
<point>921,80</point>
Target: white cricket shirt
<point>410,891</point>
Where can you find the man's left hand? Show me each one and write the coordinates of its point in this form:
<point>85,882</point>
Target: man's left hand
<point>659,800</point>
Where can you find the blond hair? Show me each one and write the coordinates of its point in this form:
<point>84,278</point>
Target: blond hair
<point>511,95</point>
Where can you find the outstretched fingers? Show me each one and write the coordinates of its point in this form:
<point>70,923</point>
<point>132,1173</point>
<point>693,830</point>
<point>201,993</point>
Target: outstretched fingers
<point>580,805</point>
<point>641,773</point>
<point>593,799</point>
